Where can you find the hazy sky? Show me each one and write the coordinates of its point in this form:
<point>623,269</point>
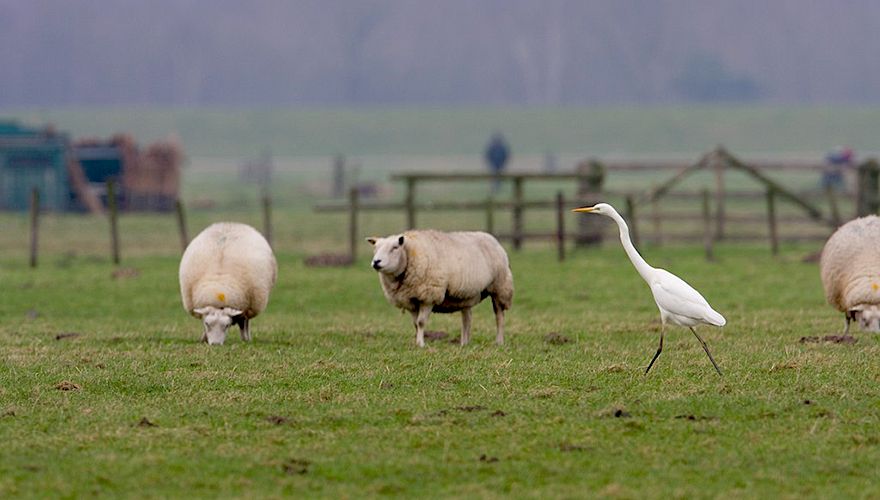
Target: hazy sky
<point>429,52</point>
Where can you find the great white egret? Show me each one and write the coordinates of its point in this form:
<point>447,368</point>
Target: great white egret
<point>678,302</point>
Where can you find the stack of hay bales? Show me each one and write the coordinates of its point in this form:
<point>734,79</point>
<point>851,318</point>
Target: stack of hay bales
<point>152,181</point>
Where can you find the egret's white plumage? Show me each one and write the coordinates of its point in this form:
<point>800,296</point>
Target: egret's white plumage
<point>679,303</point>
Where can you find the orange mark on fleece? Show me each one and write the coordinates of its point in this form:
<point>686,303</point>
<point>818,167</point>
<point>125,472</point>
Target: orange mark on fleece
<point>221,296</point>
<point>875,286</point>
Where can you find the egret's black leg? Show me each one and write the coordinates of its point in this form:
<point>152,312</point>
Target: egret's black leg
<point>659,348</point>
<point>706,348</point>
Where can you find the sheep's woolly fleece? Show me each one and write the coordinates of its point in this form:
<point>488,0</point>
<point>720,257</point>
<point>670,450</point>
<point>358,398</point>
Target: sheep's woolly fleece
<point>850,264</point>
<point>228,265</point>
<point>450,270</point>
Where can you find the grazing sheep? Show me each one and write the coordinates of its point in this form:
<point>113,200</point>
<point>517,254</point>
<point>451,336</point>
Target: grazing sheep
<point>850,267</point>
<point>424,271</point>
<point>226,274</point>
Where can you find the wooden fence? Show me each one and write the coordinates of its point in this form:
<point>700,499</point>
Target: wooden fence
<point>640,207</point>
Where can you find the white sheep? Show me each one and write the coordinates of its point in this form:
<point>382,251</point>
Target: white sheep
<point>850,268</point>
<point>423,271</point>
<point>226,274</point>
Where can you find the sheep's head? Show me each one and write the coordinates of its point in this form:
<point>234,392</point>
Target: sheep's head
<point>216,321</point>
<point>389,255</point>
<point>867,315</point>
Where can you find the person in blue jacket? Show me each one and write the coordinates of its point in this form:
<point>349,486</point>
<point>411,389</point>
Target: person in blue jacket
<point>497,154</point>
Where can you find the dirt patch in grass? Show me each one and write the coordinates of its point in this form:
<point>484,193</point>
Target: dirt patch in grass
<point>66,385</point>
<point>831,339</point>
<point>488,459</point>
<point>329,260</point>
<point>497,413</point>
<point>295,466</point>
<point>66,335</point>
<point>469,409</point>
<point>556,338</point>
<point>125,273</point>
<point>144,422</point>
<point>570,447</point>
<point>277,419</point>
<point>434,335</point>
<point>7,413</point>
<point>693,417</point>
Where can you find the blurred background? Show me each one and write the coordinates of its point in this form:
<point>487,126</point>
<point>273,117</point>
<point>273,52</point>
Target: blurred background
<point>238,108</point>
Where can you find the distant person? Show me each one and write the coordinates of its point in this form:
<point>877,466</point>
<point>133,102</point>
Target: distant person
<point>497,153</point>
<point>836,162</point>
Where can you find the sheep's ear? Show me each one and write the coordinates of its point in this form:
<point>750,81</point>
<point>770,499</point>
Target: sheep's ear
<point>372,240</point>
<point>400,240</point>
<point>202,311</point>
<point>232,312</point>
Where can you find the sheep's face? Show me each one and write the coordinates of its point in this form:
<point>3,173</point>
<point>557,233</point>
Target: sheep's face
<point>216,322</point>
<point>389,255</point>
<point>868,317</point>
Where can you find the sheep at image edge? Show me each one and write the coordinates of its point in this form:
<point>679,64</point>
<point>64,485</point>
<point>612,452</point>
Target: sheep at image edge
<point>425,270</point>
<point>226,275</point>
<point>850,268</point>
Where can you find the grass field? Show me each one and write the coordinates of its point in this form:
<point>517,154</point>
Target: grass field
<point>332,399</point>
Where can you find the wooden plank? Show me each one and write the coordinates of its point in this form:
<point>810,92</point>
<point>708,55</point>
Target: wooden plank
<point>560,226</point>
<point>517,212</point>
<point>771,221</point>
<point>353,208</point>
<point>708,237</point>
<point>181,224</point>
<point>410,203</point>
<point>114,227</point>
<point>631,220</point>
<point>267,217</point>
<point>35,224</point>
<point>779,189</point>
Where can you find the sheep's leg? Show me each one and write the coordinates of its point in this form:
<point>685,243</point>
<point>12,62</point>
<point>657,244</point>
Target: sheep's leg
<point>245,325</point>
<point>499,322</point>
<point>465,325</point>
<point>848,318</point>
<point>420,320</point>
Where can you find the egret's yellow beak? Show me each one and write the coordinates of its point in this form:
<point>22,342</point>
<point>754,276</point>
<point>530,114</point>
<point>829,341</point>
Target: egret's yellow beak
<point>584,209</point>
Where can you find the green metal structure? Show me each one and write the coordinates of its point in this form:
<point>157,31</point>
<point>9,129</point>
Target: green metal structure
<point>33,158</point>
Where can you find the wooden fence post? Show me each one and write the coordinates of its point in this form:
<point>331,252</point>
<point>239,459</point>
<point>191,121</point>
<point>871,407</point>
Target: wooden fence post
<point>655,219</point>
<point>771,221</point>
<point>708,238</point>
<point>868,188</point>
<point>719,164</point>
<point>181,224</point>
<point>832,205</point>
<point>490,215</point>
<point>338,176</point>
<point>267,216</point>
<point>35,215</point>
<point>591,177</point>
<point>560,226</point>
<point>353,223</point>
<point>517,212</point>
<point>631,219</point>
<point>114,230</point>
<point>410,202</point>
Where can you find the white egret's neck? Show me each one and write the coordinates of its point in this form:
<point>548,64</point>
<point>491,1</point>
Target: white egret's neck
<point>645,270</point>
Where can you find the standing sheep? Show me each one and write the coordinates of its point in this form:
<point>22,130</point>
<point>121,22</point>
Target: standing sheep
<point>226,274</point>
<point>850,267</point>
<point>424,271</point>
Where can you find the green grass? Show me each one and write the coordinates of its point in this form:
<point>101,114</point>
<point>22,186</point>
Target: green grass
<point>223,132</point>
<point>332,398</point>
